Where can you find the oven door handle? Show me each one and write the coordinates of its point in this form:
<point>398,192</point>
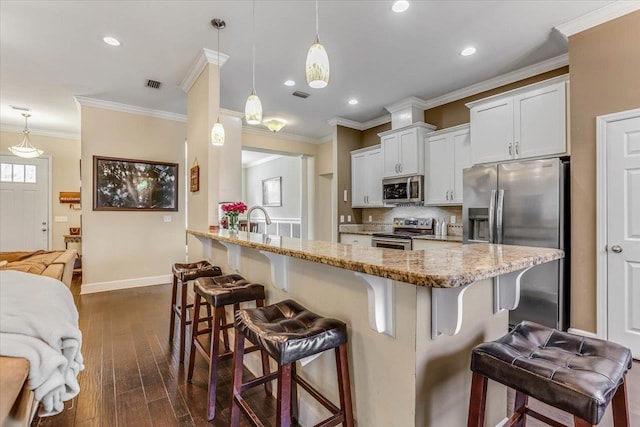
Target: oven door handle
<point>385,240</point>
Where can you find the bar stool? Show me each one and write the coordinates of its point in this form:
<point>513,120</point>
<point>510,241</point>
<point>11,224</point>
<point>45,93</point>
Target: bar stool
<point>183,273</point>
<point>289,332</point>
<point>575,374</point>
<point>219,292</point>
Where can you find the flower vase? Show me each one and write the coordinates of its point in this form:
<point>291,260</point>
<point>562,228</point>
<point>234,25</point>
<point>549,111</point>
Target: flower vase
<point>233,221</point>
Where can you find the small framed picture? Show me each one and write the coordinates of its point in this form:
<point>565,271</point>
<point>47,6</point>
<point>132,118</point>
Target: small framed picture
<point>272,191</point>
<point>195,179</point>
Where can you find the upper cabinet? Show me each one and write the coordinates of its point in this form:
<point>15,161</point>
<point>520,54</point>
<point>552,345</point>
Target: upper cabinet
<point>366,178</point>
<point>403,150</point>
<point>522,123</point>
<point>448,152</point>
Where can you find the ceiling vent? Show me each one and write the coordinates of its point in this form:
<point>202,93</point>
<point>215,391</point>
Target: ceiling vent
<point>299,94</point>
<point>15,107</point>
<point>153,84</point>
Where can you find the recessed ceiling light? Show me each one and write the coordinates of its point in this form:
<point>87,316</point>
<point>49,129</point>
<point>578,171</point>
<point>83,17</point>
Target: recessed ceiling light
<point>353,101</point>
<point>111,41</point>
<point>468,51</point>
<point>289,83</point>
<point>400,6</point>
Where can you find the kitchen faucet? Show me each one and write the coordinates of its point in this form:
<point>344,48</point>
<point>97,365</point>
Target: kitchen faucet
<point>267,219</point>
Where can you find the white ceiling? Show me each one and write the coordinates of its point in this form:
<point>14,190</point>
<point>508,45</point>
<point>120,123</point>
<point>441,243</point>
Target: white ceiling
<point>51,51</point>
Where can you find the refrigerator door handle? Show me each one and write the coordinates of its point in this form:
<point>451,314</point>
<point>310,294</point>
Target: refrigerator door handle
<point>492,216</point>
<point>499,212</point>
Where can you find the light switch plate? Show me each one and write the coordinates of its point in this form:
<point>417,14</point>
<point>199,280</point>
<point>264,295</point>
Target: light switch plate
<point>167,218</point>
<point>345,196</point>
<point>348,218</point>
<point>341,218</point>
<point>453,219</point>
<point>370,218</point>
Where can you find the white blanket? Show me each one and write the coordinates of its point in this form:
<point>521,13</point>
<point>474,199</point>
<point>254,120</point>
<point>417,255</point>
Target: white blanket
<point>39,321</point>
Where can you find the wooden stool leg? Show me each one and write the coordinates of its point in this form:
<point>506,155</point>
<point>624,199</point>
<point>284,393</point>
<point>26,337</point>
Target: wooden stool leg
<point>213,361</point>
<point>172,320</point>
<point>295,413</point>
<point>520,404</point>
<point>209,322</point>
<point>283,406</point>
<point>238,356</point>
<point>477,401</point>
<point>225,332</point>
<point>620,406</point>
<point>579,422</point>
<point>265,359</point>
<point>194,335</point>
<point>183,319</point>
<point>344,385</point>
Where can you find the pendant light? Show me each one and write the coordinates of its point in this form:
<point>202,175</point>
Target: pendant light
<point>217,132</point>
<point>253,107</point>
<point>317,62</point>
<point>25,149</point>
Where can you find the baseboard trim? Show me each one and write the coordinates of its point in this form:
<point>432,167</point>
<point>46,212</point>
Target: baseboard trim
<point>502,422</point>
<point>92,288</point>
<point>582,333</point>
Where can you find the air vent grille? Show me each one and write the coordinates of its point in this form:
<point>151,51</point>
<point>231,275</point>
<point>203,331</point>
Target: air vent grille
<point>153,84</point>
<point>15,107</point>
<point>299,94</point>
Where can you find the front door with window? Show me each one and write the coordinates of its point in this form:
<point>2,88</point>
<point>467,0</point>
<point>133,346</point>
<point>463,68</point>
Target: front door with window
<point>24,203</point>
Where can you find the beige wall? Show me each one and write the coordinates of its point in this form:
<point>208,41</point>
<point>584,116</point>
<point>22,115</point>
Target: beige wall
<point>605,78</point>
<point>324,159</point>
<point>65,175</point>
<point>370,137</point>
<point>348,140</point>
<point>120,245</point>
<point>272,143</point>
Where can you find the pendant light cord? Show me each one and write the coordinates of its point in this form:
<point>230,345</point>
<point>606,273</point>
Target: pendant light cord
<point>317,32</point>
<point>219,74</point>
<point>253,35</point>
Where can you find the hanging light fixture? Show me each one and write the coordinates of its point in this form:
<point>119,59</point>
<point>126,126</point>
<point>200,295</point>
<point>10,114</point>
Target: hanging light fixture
<point>317,62</point>
<point>25,149</point>
<point>253,107</point>
<point>217,132</point>
<point>274,124</point>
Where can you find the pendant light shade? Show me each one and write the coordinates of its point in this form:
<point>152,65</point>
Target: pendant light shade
<point>253,109</point>
<point>217,131</point>
<point>25,149</point>
<point>317,67</point>
<point>217,134</point>
<point>253,106</point>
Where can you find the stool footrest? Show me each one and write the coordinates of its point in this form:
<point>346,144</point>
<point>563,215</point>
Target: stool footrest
<point>246,409</point>
<point>258,381</point>
<point>316,395</point>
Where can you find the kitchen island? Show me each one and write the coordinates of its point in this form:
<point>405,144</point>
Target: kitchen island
<point>413,317</point>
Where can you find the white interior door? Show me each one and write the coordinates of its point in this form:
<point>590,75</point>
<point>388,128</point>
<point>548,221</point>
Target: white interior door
<point>623,232</point>
<point>24,203</point>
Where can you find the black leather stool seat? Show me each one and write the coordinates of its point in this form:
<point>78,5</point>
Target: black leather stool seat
<point>573,373</point>
<point>191,271</point>
<point>290,332</point>
<point>228,290</point>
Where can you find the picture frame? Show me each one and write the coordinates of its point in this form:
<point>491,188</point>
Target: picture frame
<point>194,181</point>
<point>272,191</point>
<point>134,185</point>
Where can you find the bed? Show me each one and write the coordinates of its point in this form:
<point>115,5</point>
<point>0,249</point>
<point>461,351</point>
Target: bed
<point>55,264</point>
<point>40,344</point>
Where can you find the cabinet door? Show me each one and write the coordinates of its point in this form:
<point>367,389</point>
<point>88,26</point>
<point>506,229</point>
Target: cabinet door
<point>438,176</point>
<point>461,156</point>
<point>390,155</point>
<point>492,131</point>
<point>359,180</point>
<point>409,161</point>
<point>540,122</point>
<point>374,172</point>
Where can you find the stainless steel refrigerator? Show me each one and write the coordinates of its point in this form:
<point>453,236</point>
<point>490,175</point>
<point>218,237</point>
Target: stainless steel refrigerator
<point>526,204</point>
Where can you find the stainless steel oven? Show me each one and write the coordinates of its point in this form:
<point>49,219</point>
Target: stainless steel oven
<point>404,244</point>
<point>403,231</point>
<point>403,190</point>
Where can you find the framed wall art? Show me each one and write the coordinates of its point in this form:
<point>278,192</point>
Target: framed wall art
<point>272,191</point>
<point>194,178</point>
<point>134,185</point>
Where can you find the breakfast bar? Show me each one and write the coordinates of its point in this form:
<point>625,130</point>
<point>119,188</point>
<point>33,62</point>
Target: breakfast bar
<point>413,316</point>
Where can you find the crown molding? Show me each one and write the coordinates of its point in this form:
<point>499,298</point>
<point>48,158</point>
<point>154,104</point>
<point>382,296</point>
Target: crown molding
<point>206,56</point>
<point>282,135</point>
<point>606,13</point>
<point>521,89</point>
<point>41,132</point>
<point>126,108</point>
<point>261,161</point>
<point>409,102</point>
<point>231,113</point>
<point>352,124</point>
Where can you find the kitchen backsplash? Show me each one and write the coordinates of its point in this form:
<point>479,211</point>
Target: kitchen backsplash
<point>385,216</point>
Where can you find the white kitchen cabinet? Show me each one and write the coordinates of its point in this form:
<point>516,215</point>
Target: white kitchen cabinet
<point>355,239</point>
<point>523,123</point>
<point>448,152</point>
<point>403,151</point>
<point>366,178</point>
<point>420,244</point>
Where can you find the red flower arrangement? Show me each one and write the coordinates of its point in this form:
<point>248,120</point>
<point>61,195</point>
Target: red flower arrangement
<point>234,208</point>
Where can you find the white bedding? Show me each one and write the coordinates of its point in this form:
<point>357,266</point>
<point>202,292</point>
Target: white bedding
<point>39,321</point>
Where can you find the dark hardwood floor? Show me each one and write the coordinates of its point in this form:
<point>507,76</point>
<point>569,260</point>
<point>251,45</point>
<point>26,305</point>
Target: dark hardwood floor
<point>132,376</point>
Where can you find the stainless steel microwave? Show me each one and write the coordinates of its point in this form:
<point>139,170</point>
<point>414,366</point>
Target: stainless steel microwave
<point>403,190</point>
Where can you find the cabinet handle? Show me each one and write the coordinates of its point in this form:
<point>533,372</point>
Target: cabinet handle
<point>447,195</point>
<point>366,199</point>
<point>517,148</point>
<point>452,194</point>
<point>510,149</point>
<point>400,167</point>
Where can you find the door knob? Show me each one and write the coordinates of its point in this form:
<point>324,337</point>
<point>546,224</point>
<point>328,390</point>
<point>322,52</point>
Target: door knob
<point>44,229</point>
<point>616,248</point>
<point>44,223</point>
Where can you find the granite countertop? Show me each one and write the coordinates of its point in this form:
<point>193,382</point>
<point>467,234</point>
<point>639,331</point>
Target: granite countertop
<point>440,268</point>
